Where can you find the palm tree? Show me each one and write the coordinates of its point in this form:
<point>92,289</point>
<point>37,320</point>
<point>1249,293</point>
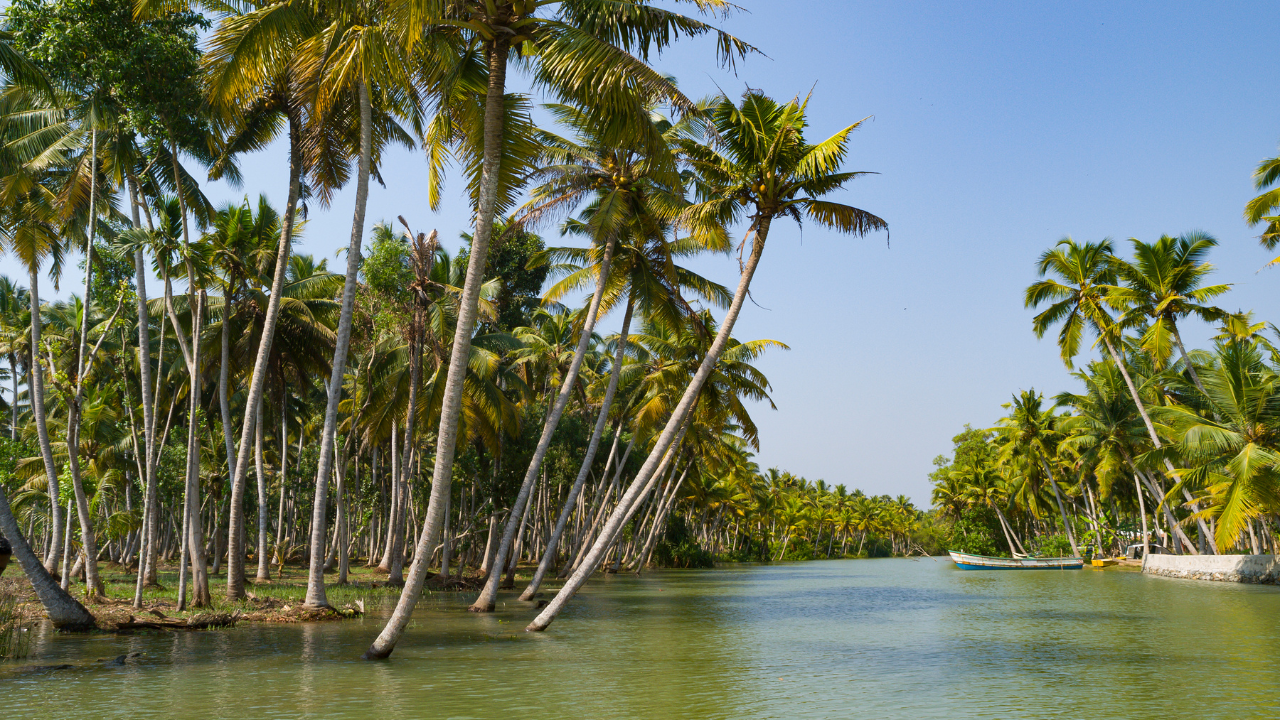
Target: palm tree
<point>28,230</point>
<point>1033,434</point>
<point>1083,297</point>
<point>582,54</point>
<point>1164,284</point>
<point>762,166</point>
<point>1234,450</point>
<point>1262,209</point>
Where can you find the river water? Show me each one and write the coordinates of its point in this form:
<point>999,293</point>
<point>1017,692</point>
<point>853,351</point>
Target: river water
<point>834,639</point>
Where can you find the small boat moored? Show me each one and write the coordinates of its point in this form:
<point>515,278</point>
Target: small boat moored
<point>965,561</point>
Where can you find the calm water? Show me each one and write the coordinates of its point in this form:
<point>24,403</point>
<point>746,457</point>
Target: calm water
<point>838,639</point>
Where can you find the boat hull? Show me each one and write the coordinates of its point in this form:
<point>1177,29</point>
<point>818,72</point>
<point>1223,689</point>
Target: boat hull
<point>965,561</point>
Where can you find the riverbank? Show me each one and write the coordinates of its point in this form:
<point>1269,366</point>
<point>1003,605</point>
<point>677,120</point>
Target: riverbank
<point>1251,569</point>
<point>278,600</point>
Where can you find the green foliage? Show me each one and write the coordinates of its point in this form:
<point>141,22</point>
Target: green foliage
<point>679,548</point>
<point>520,287</point>
<point>97,49</point>
<point>1051,546</point>
<point>978,532</point>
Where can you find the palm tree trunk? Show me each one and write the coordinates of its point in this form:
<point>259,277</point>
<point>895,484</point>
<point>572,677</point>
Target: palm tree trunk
<point>235,525</point>
<point>548,556</point>
<point>673,426</point>
<point>1155,439</point>
<point>1142,510</point>
<point>148,397</point>
<point>601,505</point>
<point>65,612</point>
<point>264,571</point>
<point>36,399</point>
<point>1057,495</point>
<point>88,539</point>
<point>496,55</point>
<point>489,595</point>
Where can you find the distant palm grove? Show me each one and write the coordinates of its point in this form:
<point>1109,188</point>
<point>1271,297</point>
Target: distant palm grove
<point>216,405</point>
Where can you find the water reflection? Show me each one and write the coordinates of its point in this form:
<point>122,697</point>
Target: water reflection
<point>874,639</point>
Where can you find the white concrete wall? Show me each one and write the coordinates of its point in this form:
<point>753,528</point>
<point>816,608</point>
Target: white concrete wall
<point>1263,569</point>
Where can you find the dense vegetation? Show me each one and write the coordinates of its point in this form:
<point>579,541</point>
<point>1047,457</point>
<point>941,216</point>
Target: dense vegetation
<point>1160,445</point>
<point>414,410</point>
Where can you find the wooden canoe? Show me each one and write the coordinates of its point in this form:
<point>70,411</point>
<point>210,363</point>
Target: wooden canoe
<point>965,561</point>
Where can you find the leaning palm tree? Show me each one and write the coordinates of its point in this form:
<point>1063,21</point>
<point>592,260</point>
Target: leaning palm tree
<point>1083,296</point>
<point>760,165</point>
<point>581,52</point>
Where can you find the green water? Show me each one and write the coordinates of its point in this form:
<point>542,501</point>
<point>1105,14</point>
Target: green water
<point>838,639</point>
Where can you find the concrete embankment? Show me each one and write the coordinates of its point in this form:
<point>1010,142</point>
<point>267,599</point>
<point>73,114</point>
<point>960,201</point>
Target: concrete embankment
<point>1256,569</point>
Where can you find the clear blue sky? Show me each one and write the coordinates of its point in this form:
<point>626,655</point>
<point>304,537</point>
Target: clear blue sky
<point>998,128</point>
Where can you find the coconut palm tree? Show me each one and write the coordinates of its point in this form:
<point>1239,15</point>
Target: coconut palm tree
<point>1164,284</point>
<point>1083,296</point>
<point>1033,434</point>
<point>582,54</point>
<point>1234,450</point>
<point>761,166</point>
<point>1263,208</point>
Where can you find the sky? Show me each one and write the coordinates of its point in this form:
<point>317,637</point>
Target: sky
<point>996,129</point>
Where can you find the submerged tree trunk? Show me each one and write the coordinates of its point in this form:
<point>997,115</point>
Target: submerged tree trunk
<point>496,55</point>
<point>669,432</point>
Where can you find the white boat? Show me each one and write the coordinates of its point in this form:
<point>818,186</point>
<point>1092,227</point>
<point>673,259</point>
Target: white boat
<point>965,561</point>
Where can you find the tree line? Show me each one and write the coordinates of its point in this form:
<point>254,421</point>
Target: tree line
<point>415,408</point>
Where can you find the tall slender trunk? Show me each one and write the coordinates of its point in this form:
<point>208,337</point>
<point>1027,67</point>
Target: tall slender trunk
<point>224,377</point>
<point>88,539</point>
<point>496,52</point>
<point>148,397</point>
<point>264,563</point>
<point>235,524</point>
<point>489,595</point>
<point>602,419</point>
<point>1155,437</point>
<point>673,426</point>
<point>315,579</point>
<point>53,553</point>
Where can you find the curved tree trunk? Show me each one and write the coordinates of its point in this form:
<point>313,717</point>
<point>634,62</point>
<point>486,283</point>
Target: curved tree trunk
<point>235,524</point>
<point>602,419</point>
<point>489,595</point>
<point>53,553</point>
<point>600,510</point>
<point>446,441</point>
<point>64,611</point>
<point>315,578</point>
<point>669,432</point>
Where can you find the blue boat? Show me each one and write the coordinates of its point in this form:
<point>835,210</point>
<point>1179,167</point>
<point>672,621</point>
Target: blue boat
<point>965,561</point>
